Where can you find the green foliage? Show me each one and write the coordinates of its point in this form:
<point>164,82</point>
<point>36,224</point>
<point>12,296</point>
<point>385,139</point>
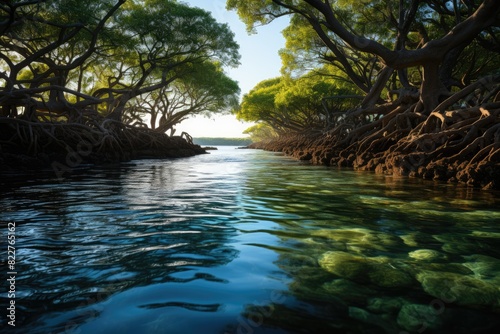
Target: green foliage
<point>73,56</point>
<point>164,29</point>
<point>288,104</point>
<point>259,103</point>
<point>361,38</point>
<point>209,86</point>
<point>256,12</point>
<point>201,89</point>
<point>261,132</point>
<point>303,48</point>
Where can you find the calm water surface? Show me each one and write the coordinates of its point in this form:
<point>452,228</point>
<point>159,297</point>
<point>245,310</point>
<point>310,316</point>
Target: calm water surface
<point>243,241</point>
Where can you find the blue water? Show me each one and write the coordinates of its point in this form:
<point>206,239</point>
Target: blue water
<point>245,241</point>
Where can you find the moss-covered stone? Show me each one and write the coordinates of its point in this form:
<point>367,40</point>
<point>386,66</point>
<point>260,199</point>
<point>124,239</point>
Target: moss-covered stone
<point>387,276</point>
<point>418,318</point>
<point>484,234</point>
<point>459,289</point>
<point>415,239</point>
<point>456,268</point>
<point>361,239</point>
<point>346,265</point>
<point>483,266</point>
<point>375,270</point>
<point>350,292</point>
<point>387,305</point>
<point>294,260</point>
<point>429,255</point>
<point>468,244</point>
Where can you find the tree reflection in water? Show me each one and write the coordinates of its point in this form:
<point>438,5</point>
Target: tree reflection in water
<point>106,231</point>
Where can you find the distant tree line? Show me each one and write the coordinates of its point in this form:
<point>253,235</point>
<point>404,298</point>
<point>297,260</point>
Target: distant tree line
<point>209,141</point>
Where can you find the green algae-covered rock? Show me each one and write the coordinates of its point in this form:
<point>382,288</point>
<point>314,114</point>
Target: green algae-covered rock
<point>484,234</point>
<point>373,319</point>
<point>456,268</point>
<point>294,260</point>
<point>375,270</point>
<point>346,265</point>
<point>415,239</point>
<point>483,266</point>
<point>459,289</point>
<point>469,244</point>
<point>418,318</point>
<point>387,276</point>
<point>387,305</point>
<point>361,239</point>
<point>308,284</point>
<point>429,255</point>
<point>349,291</point>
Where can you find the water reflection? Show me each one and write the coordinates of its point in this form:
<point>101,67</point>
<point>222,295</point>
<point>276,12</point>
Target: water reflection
<point>105,231</point>
<point>251,242</point>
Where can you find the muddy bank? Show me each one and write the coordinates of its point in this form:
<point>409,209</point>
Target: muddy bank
<point>320,149</point>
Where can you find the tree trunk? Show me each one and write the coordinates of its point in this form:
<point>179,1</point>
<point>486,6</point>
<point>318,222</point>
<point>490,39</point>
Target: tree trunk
<point>449,63</point>
<point>432,89</point>
<point>374,94</point>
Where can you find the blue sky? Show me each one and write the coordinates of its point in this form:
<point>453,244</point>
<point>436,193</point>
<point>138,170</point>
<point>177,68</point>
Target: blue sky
<point>259,61</point>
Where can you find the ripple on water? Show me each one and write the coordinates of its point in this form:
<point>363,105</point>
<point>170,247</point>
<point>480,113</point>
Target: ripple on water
<point>211,243</point>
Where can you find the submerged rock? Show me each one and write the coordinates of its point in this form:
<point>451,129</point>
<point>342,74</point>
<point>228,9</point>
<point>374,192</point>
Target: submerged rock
<point>459,289</point>
<point>373,319</point>
<point>418,318</point>
<point>387,276</point>
<point>483,234</point>
<point>415,239</point>
<point>456,268</point>
<point>345,265</point>
<point>387,305</point>
<point>467,244</point>
<point>350,292</point>
<point>375,270</point>
<point>485,267</point>
<point>361,239</point>
<point>427,255</point>
<point>297,261</point>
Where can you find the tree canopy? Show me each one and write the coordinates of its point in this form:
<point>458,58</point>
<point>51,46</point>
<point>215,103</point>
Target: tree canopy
<point>294,104</point>
<point>71,59</point>
<point>370,41</point>
<point>428,72</point>
<point>105,80</point>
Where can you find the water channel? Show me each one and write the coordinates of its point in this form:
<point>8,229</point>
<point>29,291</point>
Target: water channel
<point>246,241</point>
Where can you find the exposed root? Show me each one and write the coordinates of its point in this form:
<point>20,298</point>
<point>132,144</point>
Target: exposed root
<point>458,142</point>
<point>31,145</point>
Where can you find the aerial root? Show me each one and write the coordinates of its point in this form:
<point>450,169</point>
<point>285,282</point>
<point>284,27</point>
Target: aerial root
<point>459,141</point>
<point>109,141</point>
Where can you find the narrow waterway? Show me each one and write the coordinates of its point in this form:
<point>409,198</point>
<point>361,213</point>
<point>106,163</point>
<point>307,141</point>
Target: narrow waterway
<point>245,241</point>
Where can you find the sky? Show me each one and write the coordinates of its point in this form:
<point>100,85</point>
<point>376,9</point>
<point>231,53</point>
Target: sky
<point>259,61</point>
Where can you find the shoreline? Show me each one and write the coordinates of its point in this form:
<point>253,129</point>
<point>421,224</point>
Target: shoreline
<point>315,149</point>
<point>62,148</point>
<point>80,146</point>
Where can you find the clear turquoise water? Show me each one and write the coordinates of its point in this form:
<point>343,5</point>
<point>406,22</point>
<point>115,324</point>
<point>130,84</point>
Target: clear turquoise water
<point>244,241</point>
